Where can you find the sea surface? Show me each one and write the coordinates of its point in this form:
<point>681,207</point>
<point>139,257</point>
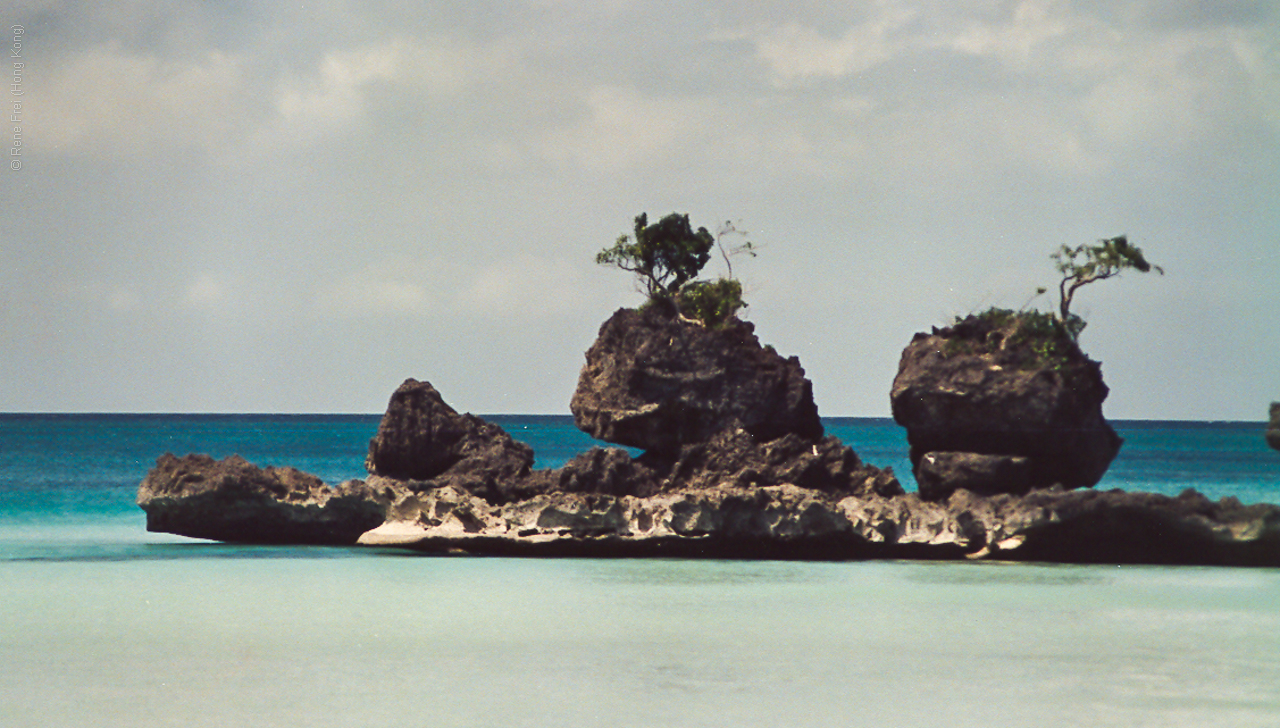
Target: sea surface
<point>104,624</point>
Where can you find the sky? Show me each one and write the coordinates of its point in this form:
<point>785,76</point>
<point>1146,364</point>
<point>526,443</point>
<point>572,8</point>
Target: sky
<point>254,207</point>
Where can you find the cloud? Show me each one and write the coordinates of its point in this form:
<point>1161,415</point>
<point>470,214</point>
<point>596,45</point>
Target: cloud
<point>623,128</point>
<point>109,101</point>
<point>205,292</point>
<point>522,285</point>
<point>1032,24</point>
<point>526,285</point>
<point>389,287</point>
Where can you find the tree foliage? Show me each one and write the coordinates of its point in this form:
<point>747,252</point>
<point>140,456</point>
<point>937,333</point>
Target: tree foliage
<point>1085,264</point>
<point>664,255</point>
<point>667,257</point>
<point>711,302</point>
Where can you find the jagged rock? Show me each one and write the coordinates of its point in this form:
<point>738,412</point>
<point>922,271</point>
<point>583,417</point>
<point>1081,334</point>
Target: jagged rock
<point>732,457</point>
<point>1273,428</point>
<point>990,385</point>
<point>421,438</point>
<point>658,382</point>
<point>737,458</point>
<point>608,471</point>
<point>786,521</point>
<point>939,474</point>
<point>232,500</point>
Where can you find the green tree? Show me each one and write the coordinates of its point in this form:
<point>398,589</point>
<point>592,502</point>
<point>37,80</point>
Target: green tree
<point>667,257</point>
<point>1085,264</point>
<point>664,255</point>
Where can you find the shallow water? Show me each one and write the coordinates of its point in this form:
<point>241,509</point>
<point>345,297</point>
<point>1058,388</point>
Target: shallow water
<point>104,624</point>
<point>218,635</point>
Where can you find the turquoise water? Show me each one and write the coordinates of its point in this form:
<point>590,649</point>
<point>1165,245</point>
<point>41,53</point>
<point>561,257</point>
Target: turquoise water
<point>104,624</point>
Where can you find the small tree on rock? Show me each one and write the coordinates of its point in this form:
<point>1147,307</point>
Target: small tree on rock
<point>1085,264</point>
<point>667,257</point>
<point>664,255</point>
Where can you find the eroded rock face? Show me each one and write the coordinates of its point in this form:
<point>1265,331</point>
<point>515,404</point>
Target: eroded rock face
<point>656,382</point>
<point>975,388</point>
<point>735,457</point>
<point>232,500</point>
<point>940,474</point>
<point>787,521</point>
<point>730,458</point>
<point>421,438</point>
<point>1273,428</point>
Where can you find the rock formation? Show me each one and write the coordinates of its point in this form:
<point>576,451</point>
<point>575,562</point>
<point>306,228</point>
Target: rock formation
<point>732,457</point>
<point>231,500</point>
<point>998,385</point>
<point>657,382</point>
<point>787,521</point>
<point>1273,427</point>
<point>732,482</point>
<point>420,438</point>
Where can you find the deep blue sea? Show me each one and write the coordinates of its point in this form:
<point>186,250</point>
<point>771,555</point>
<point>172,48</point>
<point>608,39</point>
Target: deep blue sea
<point>104,624</point>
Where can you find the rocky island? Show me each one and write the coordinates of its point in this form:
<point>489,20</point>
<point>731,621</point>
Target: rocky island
<point>735,465</point>
<point>1002,411</point>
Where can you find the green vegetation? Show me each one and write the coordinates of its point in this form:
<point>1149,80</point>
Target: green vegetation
<point>1029,338</point>
<point>1085,264</point>
<point>711,302</point>
<point>1023,339</point>
<point>664,255</point>
<point>666,258</point>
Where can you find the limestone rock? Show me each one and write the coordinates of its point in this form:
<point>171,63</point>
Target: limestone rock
<point>1273,428</point>
<point>421,438</point>
<point>939,474</point>
<point>607,471</point>
<point>787,521</point>
<point>232,500</point>
<point>987,386</point>
<point>738,458</point>
<point>657,382</point>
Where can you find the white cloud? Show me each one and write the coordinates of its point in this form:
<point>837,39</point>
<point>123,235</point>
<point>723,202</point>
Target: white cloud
<point>1032,24</point>
<point>205,292</point>
<point>109,101</point>
<point>623,127</point>
<point>525,285</point>
<point>795,52</point>
<point>389,287</point>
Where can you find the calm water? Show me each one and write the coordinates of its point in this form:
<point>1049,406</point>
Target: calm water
<point>103,624</point>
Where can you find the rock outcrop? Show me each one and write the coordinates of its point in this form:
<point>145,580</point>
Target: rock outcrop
<point>787,521</point>
<point>657,382</point>
<point>421,438</point>
<point>732,457</point>
<point>232,500</point>
<point>1273,427</point>
<point>939,474</point>
<point>998,385</point>
<point>737,466</point>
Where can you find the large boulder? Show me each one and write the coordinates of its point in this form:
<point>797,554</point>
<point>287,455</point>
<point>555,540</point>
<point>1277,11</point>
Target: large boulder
<point>1273,428</point>
<point>1009,384</point>
<point>656,381</point>
<point>233,500</point>
<point>421,438</point>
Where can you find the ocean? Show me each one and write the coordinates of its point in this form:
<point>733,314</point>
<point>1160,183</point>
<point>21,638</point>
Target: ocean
<point>104,624</point>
